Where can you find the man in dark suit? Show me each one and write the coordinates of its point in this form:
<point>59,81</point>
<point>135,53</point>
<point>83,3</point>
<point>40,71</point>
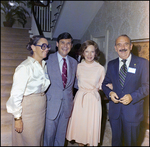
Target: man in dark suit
<point>77,52</point>
<point>126,99</point>
<point>59,94</point>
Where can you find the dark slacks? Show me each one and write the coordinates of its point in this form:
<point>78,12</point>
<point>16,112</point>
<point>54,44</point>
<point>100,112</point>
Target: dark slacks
<point>121,129</point>
<point>55,130</point>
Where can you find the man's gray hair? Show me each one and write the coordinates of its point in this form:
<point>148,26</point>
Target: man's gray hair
<point>123,35</point>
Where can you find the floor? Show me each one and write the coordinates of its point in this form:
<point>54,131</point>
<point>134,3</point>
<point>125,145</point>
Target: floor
<point>106,134</point>
<point>107,138</point>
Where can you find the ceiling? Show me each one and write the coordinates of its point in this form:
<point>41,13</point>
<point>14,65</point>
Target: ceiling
<point>75,17</point>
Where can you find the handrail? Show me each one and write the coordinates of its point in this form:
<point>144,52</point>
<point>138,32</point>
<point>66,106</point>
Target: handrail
<point>38,3</point>
<point>43,15</point>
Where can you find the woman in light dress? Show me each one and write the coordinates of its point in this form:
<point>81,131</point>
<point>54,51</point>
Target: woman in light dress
<point>27,100</point>
<point>85,122</point>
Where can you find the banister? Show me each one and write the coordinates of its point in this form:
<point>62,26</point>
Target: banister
<point>38,3</point>
<point>43,15</point>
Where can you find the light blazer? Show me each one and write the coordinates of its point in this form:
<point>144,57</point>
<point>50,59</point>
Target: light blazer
<point>136,84</point>
<point>56,92</point>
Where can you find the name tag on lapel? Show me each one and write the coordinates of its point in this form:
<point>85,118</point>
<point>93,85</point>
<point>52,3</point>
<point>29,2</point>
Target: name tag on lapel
<point>131,70</point>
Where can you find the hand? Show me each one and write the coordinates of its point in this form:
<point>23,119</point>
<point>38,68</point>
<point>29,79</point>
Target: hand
<point>18,126</point>
<point>114,97</point>
<point>126,99</point>
<point>109,85</point>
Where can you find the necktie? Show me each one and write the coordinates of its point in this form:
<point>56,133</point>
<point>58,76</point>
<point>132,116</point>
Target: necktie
<point>64,72</point>
<point>122,73</point>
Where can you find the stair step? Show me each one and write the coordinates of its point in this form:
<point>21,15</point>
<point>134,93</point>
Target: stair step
<point>5,89</point>
<point>7,70</point>
<point>17,56</point>
<point>3,102</point>
<point>6,118</point>
<point>7,33</point>
<point>6,135</point>
<point>24,39</point>
<point>14,50</point>
<point>13,46</point>
<point>5,37</point>
<point>7,95</point>
<point>18,41</point>
<point>13,30</point>
<point>10,62</point>
<point>6,79</point>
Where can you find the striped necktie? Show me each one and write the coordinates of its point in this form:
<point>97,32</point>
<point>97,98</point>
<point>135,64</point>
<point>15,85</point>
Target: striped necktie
<point>64,72</point>
<point>122,73</point>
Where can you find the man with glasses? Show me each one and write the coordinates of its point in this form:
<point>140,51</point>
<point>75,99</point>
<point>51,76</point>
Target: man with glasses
<point>61,70</point>
<point>129,75</point>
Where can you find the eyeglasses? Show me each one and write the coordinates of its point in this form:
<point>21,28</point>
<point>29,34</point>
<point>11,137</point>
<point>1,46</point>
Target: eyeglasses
<point>44,46</point>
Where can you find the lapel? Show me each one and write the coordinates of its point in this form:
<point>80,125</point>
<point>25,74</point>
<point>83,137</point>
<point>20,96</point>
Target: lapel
<point>116,71</point>
<point>70,71</point>
<point>133,62</point>
<point>56,69</point>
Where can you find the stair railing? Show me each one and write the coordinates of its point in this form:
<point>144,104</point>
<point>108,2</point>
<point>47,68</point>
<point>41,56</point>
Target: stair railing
<point>42,15</point>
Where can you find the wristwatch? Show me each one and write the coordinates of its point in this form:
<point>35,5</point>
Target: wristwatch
<point>17,118</point>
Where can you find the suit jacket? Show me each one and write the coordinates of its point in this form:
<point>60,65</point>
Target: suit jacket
<point>56,93</point>
<point>136,84</point>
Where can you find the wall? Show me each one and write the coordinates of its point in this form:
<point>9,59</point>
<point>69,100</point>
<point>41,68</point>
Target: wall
<point>119,17</point>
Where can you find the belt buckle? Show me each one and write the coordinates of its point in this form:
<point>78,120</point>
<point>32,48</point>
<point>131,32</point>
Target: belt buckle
<point>42,94</point>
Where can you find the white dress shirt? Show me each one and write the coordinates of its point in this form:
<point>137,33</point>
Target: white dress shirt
<point>29,78</point>
<point>127,62</point>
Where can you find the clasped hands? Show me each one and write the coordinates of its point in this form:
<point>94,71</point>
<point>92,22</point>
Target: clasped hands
<point>126,99</point>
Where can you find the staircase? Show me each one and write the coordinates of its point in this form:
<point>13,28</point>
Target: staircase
<point>13,52</point>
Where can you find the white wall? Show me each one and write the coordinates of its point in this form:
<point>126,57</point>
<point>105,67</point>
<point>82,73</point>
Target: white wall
<point>120,17</point>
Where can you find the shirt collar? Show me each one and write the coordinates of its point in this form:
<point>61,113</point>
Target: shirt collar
<point>60,57</point>
<point>128,59</point>
<point>33,60</point>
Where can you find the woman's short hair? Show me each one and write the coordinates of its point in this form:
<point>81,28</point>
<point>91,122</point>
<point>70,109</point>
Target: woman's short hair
<point>33,41</point>
<point>86,44</point>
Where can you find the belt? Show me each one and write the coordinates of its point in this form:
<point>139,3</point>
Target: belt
<point>42,94</point>
<point>92,91</point>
